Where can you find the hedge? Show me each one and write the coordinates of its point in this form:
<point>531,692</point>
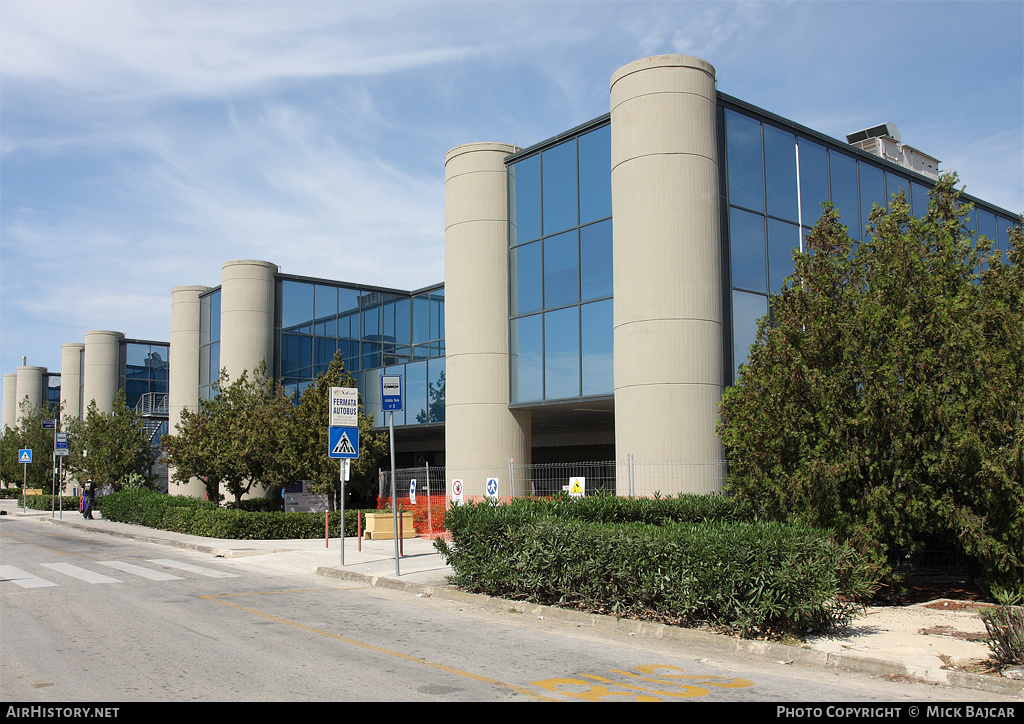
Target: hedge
<point>192,516</point>
<point>701,563</point>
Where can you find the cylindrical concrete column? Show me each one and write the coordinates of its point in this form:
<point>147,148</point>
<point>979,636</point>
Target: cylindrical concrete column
<point>669,374</point>
<point>183,381</point>
<point>102,369</point>
<point>481,433</point>
<point>10,414</point>
<point>246,316</point>
<point>31,386</point>
<point>71,365</point>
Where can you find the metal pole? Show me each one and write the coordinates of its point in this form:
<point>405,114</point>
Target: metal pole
<point>394,498</point>
<point>341,469</point>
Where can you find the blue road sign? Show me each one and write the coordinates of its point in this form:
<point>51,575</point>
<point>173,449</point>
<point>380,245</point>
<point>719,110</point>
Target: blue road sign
<point>343,442</point>
<point>391,393</point>
<point>25,455</point>
<point>492,487</point>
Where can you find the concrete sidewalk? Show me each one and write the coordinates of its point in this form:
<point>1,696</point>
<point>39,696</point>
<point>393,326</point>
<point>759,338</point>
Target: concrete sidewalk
<point>911,642</point>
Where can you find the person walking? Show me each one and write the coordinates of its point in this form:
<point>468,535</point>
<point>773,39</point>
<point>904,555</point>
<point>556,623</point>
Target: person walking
<point>90,497</point>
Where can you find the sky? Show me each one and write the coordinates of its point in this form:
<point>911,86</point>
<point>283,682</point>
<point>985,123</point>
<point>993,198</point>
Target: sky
<point>144,144</point>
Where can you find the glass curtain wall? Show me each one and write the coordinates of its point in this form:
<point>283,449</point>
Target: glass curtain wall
<point>375,330</point>
<point>145,369</point>
<point>777,179</point>
<point>560,270</point>
<point>209,343</point>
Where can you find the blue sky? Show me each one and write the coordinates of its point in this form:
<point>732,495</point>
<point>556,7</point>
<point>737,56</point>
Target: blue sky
<point>146,143</point>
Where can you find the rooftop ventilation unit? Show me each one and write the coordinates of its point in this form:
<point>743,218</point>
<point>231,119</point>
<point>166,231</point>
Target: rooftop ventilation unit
<point>884,141</point>
<point>886,129</point>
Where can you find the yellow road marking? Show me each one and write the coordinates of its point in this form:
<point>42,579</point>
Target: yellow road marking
<point>378,649</point>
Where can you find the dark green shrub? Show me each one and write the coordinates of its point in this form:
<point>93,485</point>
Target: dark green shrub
<point>753,578</point>
<point>192,516</point>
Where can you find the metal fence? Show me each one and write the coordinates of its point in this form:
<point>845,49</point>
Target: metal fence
<point>624,477</point>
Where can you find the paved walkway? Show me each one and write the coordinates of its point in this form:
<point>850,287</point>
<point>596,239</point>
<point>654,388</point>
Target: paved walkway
<point>913,642</point>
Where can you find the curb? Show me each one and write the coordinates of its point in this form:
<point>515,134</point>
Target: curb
<point>784,654</point>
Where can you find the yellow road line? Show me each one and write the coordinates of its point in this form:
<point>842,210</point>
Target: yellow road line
<point>378,649</point>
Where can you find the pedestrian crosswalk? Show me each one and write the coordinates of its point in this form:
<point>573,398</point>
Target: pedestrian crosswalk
<point>87,572</point>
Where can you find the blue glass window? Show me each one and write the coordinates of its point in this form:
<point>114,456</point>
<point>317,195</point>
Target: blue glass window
<point>297,306</point>
<point>813,181</point>
<point>209,318</point>
<point>747,251</point>
<point>435,389</point>
<point>1003,228</point>
<point>416,392</point>
<point>596,260</point>
<point>561,270</point>
<point>747,309</point>
<point>527,293</point>
<point>561,354</point>
<point>595,149</point>
<point>560,193</point>
<point>524,200</point>
<point>348,313</point>
<point>598,351</point>
<point>325,310</point>
<point>780,173</point>
<point>987,225</point>
<point>746,168</point>
<point>872,190</point>
<point>783,239</point>
<point>894,184</point>
<point>528,359</point>
<point>919,199</point>
<point>843,176</point>
<point>296,355</point>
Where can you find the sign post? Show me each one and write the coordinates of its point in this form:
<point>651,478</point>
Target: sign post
<point>391,400</point>
<point>343,441</point>
<point>24,457</point>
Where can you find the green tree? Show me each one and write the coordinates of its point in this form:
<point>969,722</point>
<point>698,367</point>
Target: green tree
<point>29,434</point>
<point>882,395</point>
<point>309,435</point>
<point>236,438</point>
<point>110,446</point>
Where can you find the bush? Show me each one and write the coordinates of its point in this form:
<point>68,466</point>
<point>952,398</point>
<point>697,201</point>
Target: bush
<point>46,501</point>
<point>192,516</point>
<point>1005,627</point>
<point>604,555</point>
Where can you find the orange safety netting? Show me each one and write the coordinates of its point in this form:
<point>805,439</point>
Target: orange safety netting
<point>427,513</point>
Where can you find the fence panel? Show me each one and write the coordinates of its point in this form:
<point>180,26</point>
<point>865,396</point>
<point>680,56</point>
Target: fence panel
<point>624,477</point>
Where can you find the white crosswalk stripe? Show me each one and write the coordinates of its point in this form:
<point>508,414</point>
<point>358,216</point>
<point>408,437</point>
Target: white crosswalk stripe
<point>23,579</point>
<point>192,569</point>
<point>81,574</point>
<point>139,571</point>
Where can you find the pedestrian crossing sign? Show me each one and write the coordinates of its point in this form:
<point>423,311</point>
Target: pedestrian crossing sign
<point>343,442</point>
<point>25,455</point>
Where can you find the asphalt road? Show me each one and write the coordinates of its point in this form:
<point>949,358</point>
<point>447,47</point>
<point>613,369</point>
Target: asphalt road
<point>93,619</point>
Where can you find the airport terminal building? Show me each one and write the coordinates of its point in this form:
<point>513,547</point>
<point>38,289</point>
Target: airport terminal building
<point>601,289</point>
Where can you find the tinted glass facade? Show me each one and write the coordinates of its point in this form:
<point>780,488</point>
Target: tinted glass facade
<point>560,268</point>
<point>145,369</point>
<point>777,177</point>
<point>209,342</point>
<point>374,329</point>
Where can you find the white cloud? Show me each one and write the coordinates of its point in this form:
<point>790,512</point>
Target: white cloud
<point>146,143</point>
